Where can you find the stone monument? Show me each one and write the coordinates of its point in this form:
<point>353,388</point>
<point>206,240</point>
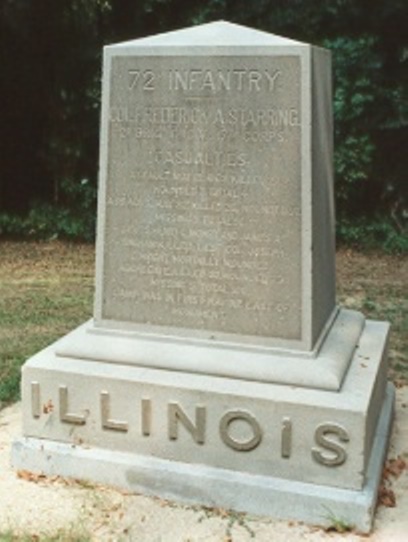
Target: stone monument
<point>217,368</point>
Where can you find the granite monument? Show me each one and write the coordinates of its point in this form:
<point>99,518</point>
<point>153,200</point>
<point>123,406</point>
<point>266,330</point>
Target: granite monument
<point>218,368</point>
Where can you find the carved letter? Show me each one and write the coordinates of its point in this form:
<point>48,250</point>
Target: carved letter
<point>146,417</point>
<point>179,82</point>
<point>65,416</point>
<point>35,400</point>
<point>254,80</point>
<point>208,81</point>
<point>339,454</point>
<point>286,443</point>
<point>240,446</point>
<point>240,78</point>
<point>272,79</point>
<point>176,414</point>
<point>108,423</point>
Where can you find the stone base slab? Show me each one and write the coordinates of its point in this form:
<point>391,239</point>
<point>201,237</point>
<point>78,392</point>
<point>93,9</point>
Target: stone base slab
<point>219,441</point>
<point>260,495</point>
<point>322,369</point>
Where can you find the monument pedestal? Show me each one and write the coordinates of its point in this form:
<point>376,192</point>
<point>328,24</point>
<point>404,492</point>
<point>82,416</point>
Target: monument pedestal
<point>324,368</point>
<point>264,448</point>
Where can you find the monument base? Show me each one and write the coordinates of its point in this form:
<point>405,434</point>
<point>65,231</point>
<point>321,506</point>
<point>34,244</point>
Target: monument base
<point>260,495</point>
<point>284,451</point>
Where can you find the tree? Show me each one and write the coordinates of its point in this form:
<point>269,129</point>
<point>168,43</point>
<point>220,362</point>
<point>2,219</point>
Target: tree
<point>51,56</point>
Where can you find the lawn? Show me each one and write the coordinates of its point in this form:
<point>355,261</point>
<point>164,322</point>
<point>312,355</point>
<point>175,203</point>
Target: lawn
<point>46,289</point>
<point>377,285</point>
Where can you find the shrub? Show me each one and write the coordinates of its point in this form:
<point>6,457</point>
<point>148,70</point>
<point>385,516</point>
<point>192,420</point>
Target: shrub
<point>73,220</point>
<point>369,234</point>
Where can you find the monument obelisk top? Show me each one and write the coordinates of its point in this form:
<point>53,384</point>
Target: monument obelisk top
<point>216,34</point>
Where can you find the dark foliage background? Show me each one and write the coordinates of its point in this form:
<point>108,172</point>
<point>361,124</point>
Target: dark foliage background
<point>50,54</point>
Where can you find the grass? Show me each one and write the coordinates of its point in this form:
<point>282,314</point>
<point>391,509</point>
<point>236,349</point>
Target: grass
<point>336,524</point>
<point>46,290</point>
<point>377,285</point>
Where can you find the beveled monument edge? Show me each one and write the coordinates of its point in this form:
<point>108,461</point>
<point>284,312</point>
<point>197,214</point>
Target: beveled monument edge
<point>152,347</point>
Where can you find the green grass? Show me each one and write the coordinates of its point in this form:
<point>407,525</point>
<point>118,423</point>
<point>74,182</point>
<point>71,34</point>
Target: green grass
<point>377,285</point>
<point>336,524</point>
<point>46,289</point>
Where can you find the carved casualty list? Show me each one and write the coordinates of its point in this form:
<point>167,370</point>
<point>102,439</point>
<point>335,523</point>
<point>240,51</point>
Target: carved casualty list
<point>203,198</point>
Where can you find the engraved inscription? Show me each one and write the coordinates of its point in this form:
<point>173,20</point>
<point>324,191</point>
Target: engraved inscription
<point>239,80</point>
<point>145,79</point>
<point>203,196</point>
<point>239,429</point>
